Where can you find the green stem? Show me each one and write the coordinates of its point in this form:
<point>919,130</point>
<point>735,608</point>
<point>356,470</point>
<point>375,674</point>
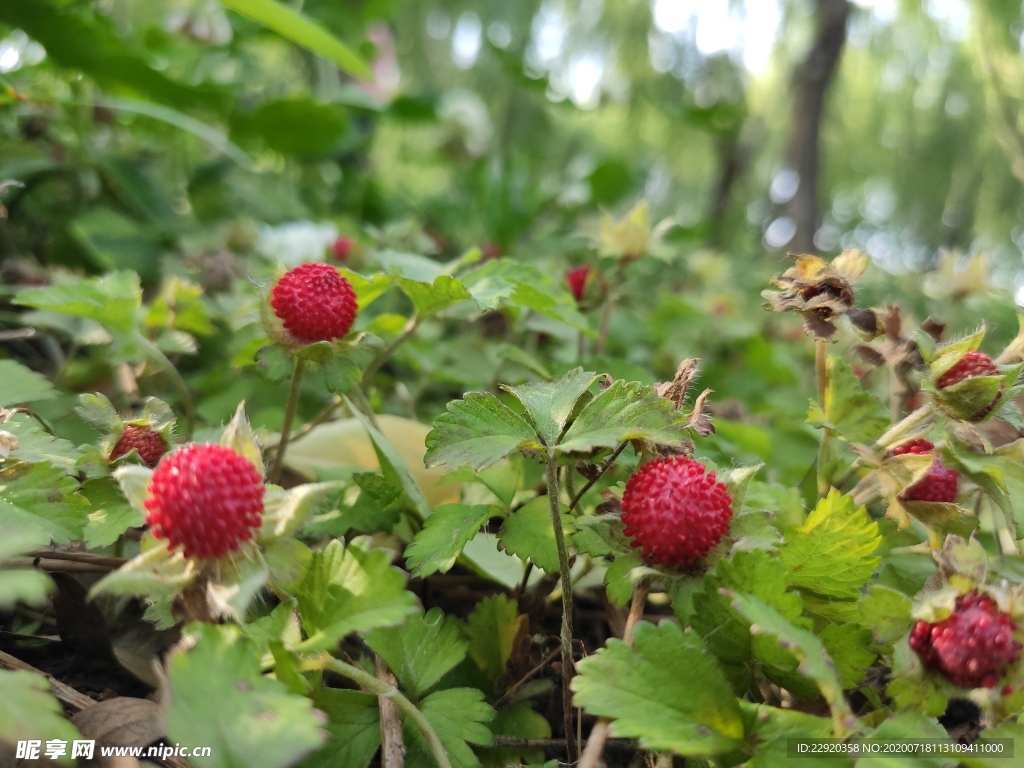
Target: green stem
<point>566,577</point>
<point>371,684</point>
<point>606,320</point>
<point>361,402</point>
<point>387,352</point>
<point>179,382</point>
<point>821,377</point>
<point>289,416</point>
<point>600,471</point>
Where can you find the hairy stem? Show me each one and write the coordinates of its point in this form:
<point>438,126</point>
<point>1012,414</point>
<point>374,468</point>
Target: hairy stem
<point>392,747</point>
<point>359,399</point>
<point>371,684</point>
<point>600,471</point>
<point>599,734</point>
<point>289,417</point>
<point>821,377</point>
<point>566,636</point>
<point>387,352</point>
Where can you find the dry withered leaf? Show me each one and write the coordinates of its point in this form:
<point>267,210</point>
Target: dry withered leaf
<point>819,291</point>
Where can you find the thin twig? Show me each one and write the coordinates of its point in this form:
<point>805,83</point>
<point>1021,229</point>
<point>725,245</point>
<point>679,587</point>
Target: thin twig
<point>79,557</point>
<point>392,747</point>
<point>65,694</point>
<point>566,577</point>
<point>44,564</point>
<point>387,352</point>
<point>503,699</point>
<point>821,378</point>
<point>600,471</point>
<point>599,734</point>
<point>612,745</point>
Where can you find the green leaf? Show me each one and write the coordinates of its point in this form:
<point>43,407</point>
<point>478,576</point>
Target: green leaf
<point>458,716</point>
<point>295,126</point>
<point>238,436</point>
<point>551,301</point>
<point>625,411</point>
<point>549,404</point>
<point>850,411</point>
<point>421,651</point>
<point>111,515</point>
<point>302,31</point>
<point>815,662</point>
<point>430,298</point>
<point>527,533</point>
<point>41,498</point>
<point>478,430</point>
<point>353,729</point>
<point>666,691</point>
<point>849,646</point>
<point>392,464</point>
<point>520,721</point>
<point>220,699</point>
<point>623,575</point>
<point>155,572</point>
<point>905,725</point>
<point>887,613</point>
<point>439,543</point>
<point>35,444</point>
<point>345,369</point>
<point>286,513</point>
<point>350,589</point>
<point>368,289</point>
<point>112,300</point>
<point>830,554</point>
<point>492,628</point>
<point>22,385</point>
<point>28,711</point>
<point>96,410</point>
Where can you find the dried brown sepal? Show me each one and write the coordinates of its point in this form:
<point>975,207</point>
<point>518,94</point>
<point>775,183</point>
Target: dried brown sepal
<point>819,291</point>
<point>675,391</point>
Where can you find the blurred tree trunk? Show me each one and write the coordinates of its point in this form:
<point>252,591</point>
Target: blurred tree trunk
<point>811,79</point>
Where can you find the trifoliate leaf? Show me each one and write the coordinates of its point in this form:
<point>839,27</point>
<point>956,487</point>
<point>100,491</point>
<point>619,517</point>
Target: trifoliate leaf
<point>350,589</point>
<point>478,430</point>
<point>527,533</point>
<point>458,716</point>
<point>430,298</point>
<point>830,554</point>
<point>438,544</point>
<point>625,411</point>
<point>492,628</point>
<point>850,411</point>
<point>112,300</point>
<point>353,729</point>
<point>22,385</point>
<point>549,404</point>
<point>421,651</point>
<point>220,699</point>
<point>666,691</point>
<point>35,444</point>
<point>392,465</point>
<point>815,662</point>
<point>29,711</point>
<point>40,497</point>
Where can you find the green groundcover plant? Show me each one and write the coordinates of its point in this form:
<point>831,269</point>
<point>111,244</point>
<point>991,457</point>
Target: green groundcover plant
<point>289,611</point>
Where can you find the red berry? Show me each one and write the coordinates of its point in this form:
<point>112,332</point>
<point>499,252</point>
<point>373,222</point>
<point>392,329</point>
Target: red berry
<point>342,248</point>
<point>675,510</point>
<point>314,302</point>
<point>973,647</point>
<point>576,279</point>
<point>972,364</point>
<point>938,485</point>
<point>205,498</point>
<point>147,441</point>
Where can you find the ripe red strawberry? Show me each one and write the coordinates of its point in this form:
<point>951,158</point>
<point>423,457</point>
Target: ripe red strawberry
<point>576,279</point>
<point>973,647</point>
<point>675,510</point>
<point>314,302</point>
<point>342,248</point>
<point>147,441</point>
<point>938,485</point>
<point>972,364</point>
<point>205,498</point>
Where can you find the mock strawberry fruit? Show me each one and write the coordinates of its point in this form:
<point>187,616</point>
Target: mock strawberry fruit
<point>973,647</point>
<point>314,303</point>
<point>205,498</point>
<point>342,248</point>
<point>969,366</point>
<point>675,510</point>
<point>576,278</point>
<point>147,441</point>
<point>938,485</point>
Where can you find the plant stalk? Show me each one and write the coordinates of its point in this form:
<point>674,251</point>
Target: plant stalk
<point>289,416</point>
<point>566,577</point>
<point>371,684</point>
<point>387,352</point>
<point>821,377</point>
<point>179,383</point>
